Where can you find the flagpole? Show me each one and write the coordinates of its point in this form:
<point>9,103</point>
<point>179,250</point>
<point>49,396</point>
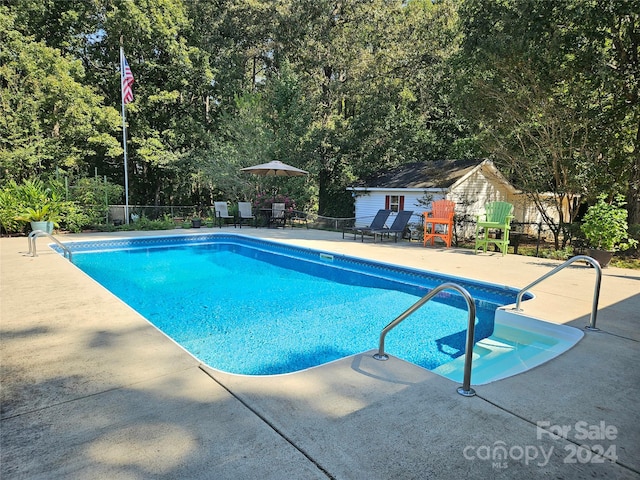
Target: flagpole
<point>124,137</point>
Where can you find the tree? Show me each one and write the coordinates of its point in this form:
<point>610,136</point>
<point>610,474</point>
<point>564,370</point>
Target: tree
<point>167,123</point>
<point>372,73</point>
<point>542,143</point>
<point>340,89</point>
<point>245,140</point>
<point>50,120</point>
<point>552,89</point>
<point>613,30</point>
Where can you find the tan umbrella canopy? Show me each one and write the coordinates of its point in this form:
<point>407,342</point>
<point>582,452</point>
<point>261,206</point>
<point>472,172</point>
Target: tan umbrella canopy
<point>275,169</point>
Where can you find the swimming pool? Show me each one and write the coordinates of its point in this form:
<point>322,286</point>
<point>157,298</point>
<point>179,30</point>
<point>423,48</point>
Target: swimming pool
<point>250,306</point>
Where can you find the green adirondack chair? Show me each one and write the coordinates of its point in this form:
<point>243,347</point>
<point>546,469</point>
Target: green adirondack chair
<point>497,218</point>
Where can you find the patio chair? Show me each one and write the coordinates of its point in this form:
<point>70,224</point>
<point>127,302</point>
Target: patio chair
<point>298,218</point>
<point>277,215</point>
<point>440,218</point>
<point>245,213</point>
<point>378,222</point>
<point>497,218</point>
<point>222,213</point>
<point>398,226</point>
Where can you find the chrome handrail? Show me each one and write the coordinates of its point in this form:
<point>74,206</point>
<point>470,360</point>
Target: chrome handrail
<point>465,389</point>
<point>596,293</point>
<point>40,233</point>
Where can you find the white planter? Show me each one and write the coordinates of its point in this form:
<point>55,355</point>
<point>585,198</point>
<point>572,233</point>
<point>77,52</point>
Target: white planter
<point>44,226</point>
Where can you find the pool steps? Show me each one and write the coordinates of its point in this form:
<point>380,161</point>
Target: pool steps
<point>518,343</point>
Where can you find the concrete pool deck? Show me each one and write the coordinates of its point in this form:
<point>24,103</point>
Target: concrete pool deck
<point>89,389</point>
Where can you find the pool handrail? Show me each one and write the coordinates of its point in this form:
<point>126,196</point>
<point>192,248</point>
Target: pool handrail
<point>41,233</point>
<point>465,389</point>
<point>596,294</point>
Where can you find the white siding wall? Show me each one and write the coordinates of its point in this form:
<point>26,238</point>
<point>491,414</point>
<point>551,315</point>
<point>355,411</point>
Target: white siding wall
<point>368,205</point>
<point>473,194</point>
<point>530,213</point>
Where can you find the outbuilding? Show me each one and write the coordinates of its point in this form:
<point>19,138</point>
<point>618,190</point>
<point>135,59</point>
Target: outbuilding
<point>471,184</point>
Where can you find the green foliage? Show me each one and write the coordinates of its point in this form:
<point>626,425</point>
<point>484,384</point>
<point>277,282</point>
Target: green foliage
<point>562,254</point>
<point>552,89</point>
<point>35,200</point>
<point>170,118</point>
<point>341,89</point>
<point>266,200</point>
<point>165,223</point>
<point>50,118</point>
<point>144,223</point>
<point>625,262</point>
<point>75,218</point>
<point>89,200</point>
<point>605,225</point>
<point>354,88</point>
<point>337,90</point>
<point>40,213</point>
<point>9,208</point>
<point>30,201</point>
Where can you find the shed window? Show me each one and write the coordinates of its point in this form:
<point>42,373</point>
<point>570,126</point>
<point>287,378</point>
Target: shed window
<point>395,203</point>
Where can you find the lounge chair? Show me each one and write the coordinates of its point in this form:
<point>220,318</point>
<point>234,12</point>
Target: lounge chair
<point>440,218</point>
<point>277,215</point>
<point>398,226</point>
<point>245,213</point>
<point>378,222</point>
<point>222,213</point>
<point>498,218</point>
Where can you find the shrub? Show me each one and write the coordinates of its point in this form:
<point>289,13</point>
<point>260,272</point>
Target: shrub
<point>30,201</point>
<point>9,208</point>
<point>144,223</point>
<point>264,200</point>
<point>605,225</point>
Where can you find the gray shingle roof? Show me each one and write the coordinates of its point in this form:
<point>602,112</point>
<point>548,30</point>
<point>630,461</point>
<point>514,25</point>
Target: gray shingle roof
<point>434,174</point>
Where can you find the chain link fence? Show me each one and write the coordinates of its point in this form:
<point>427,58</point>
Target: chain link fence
<point>464,227</point>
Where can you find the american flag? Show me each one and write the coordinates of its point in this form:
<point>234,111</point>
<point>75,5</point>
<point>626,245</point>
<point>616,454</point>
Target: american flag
<point>127,81</point>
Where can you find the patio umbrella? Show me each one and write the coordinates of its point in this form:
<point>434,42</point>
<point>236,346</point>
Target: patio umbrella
<point>275,169</point>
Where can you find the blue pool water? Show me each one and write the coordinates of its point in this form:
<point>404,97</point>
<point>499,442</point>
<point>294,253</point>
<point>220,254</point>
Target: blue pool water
<point>249,306</point>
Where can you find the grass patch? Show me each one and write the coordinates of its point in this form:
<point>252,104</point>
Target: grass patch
<point>625,262</point>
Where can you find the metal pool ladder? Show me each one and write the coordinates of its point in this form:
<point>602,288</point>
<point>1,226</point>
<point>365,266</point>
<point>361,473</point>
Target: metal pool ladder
<point>40,233</point>
<point>465,389</point>
<point>596,293</point>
